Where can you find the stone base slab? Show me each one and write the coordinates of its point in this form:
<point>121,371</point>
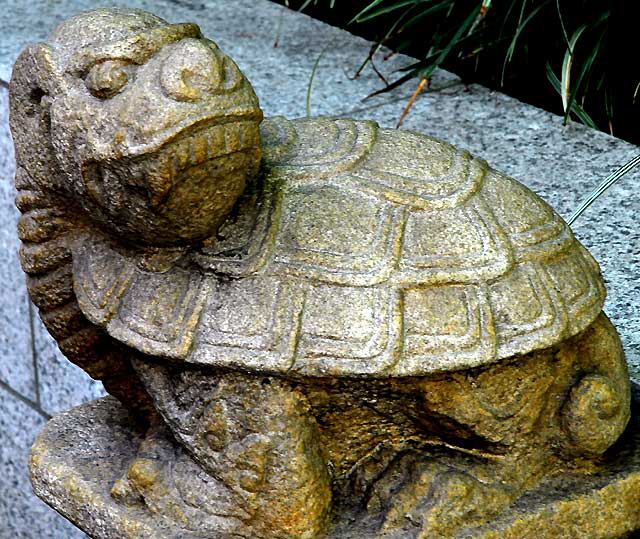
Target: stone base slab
<point>81,453</point>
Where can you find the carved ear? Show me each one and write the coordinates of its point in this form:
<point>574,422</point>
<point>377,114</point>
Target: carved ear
<point>33,87</point>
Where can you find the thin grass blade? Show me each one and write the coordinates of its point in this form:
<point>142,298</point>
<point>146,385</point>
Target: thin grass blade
<point>585,68</point>
<point>575,107</point>
<point>464,27</point>
<point>395,83</point>
<point>366,10</point>
<point>385,10</point>
<point>312,76</point>
<point>426,12</point>
<point>564,30</point>
<point>521,26</point>
<point>484,8</point>
<point>375,48</point>
<point>305,5</point>
<point>603,187</point>
<point>507,15</point>
<point>567,62</point>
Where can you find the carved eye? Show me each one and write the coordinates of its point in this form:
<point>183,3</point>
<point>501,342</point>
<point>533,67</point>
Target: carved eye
<point>106,79</point>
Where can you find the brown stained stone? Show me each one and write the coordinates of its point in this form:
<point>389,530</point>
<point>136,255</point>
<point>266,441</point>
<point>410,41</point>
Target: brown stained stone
<point>80,451</point>
<point>316,328</point>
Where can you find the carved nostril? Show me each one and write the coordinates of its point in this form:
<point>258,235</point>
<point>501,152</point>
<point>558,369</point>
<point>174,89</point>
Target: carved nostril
<point>191,72</point>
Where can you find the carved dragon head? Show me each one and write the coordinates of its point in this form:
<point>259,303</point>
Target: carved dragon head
<point>150,128</point>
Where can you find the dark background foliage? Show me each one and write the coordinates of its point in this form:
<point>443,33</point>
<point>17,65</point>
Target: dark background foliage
<point>577,58</point>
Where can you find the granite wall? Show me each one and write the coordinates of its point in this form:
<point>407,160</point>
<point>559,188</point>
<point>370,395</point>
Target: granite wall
<point>560,163</point>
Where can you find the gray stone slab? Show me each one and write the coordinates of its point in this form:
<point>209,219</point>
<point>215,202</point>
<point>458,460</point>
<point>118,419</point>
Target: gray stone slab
<point>22,515</point>
<point>62,384</point>
<point>16,357</point>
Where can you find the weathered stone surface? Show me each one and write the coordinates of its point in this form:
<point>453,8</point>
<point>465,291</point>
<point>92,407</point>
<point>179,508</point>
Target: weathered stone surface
<point>22,515</point>
<point>561,164</point>
<point>93,443</point>
<point>60,385</point>
<point>150,224</point>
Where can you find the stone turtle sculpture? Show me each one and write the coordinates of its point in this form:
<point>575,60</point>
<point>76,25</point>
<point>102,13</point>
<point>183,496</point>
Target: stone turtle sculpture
<point>319,327</point>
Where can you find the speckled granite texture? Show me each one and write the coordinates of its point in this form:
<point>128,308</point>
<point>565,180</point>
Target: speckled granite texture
<point>560,163</point>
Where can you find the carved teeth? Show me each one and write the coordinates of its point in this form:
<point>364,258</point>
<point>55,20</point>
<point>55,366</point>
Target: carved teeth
<point>204,146</point>
<point>232,138</point>
<point>198,150</point>
<point>216,142</point>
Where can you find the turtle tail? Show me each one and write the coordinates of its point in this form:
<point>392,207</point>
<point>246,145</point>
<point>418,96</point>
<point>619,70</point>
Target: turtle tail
<point>46,229</point>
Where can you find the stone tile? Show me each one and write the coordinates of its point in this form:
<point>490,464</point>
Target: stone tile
<point>62,384</point>
<point>16,357</point>
<point>22,515</point>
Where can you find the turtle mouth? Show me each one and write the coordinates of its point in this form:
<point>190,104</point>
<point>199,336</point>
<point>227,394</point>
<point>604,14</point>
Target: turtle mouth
<point>150,177</point>
<point>194,151</point>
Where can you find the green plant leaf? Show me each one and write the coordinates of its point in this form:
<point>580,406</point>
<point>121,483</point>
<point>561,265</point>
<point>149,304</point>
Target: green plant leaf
<point>456,37</point>
<point>366,10</point>
<point>575,107</point>
<point>375,48</point>
<point>426,12</point>
<point>396,83</point>
<point>564,30</point>
<point>305,5</point>
<point>585,68</point>
<point>508,14</point>
<point>565,80</point>
<point>603,187</point>
<point>385,10</point>
<point>425,68</point>
<point>520,27</point>
<point>484,9</point>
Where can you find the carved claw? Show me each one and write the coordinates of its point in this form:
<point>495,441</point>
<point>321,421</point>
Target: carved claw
<point>247,461</point>
<point>146,468</point>
<point>437,503</point>
<point>141,476</point>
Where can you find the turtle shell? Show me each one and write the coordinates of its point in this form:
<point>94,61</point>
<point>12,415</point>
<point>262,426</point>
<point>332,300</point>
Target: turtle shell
<point>359,251</point>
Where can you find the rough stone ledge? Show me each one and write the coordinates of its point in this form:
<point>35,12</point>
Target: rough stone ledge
<point>80,454</point>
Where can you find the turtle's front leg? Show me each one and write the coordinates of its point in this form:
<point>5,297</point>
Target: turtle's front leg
<point>257,437</point>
